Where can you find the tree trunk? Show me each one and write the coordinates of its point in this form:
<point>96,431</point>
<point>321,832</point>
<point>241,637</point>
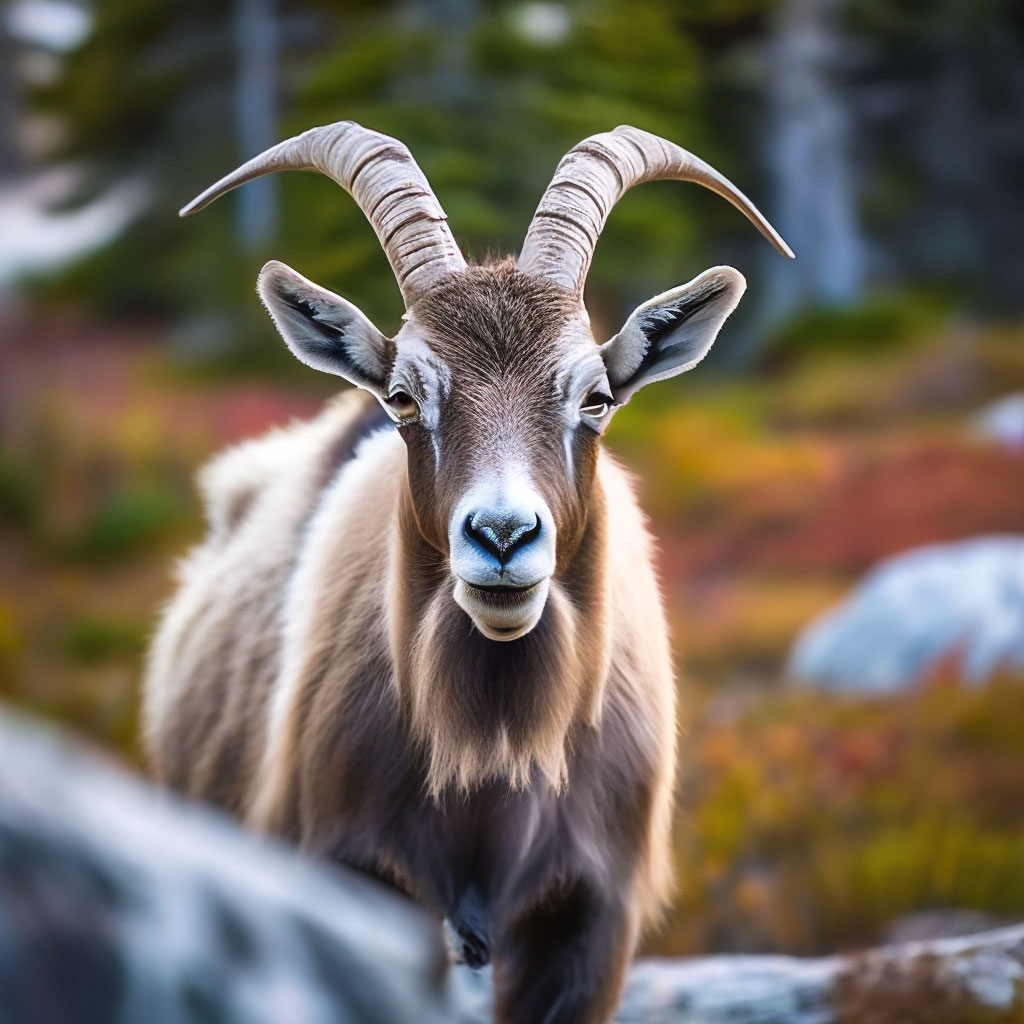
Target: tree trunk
<point>809,158</point>
<point>10,146</point>
<point>255,102</point>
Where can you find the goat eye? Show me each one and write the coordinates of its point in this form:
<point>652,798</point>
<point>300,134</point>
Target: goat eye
<point>402,405</point>
<point>596,404</point>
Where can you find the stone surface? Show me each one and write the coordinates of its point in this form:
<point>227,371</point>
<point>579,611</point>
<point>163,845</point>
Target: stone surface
<point>1002,422</point>
<point>959,605</point>
<point>979,977</point>
<point>122,905</point>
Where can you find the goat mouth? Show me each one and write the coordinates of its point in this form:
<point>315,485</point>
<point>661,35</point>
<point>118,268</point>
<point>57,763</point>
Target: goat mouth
<point>499,596</point>
<point>502,588</point>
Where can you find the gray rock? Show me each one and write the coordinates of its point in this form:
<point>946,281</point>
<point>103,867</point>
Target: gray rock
<point>1002,422</point>
<point>961,603</point>
<point>119,903</point>
<point>123,905</point>
<point>927,925</point>
<point>730,990</point>
<point>981,976</point>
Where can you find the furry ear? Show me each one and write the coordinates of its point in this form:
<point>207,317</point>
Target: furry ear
<point>324,330</point>
<point>672,332</point>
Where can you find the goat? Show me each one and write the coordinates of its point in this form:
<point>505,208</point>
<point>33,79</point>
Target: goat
<point>424,636</point>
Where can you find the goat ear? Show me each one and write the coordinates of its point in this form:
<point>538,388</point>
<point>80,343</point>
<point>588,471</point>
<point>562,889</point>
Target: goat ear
<point>324,330</point>
<point>672,332</point>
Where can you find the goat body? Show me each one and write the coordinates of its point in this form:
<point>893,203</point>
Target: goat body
<point>273,690</point>
<point>423,636</point>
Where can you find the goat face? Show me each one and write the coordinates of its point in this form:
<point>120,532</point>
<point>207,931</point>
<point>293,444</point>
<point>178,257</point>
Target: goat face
<point>508,397</point>
<point>495,380</point>
<point>501,394</point>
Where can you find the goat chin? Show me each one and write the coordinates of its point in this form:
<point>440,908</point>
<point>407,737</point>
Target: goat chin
<point>506,614</point>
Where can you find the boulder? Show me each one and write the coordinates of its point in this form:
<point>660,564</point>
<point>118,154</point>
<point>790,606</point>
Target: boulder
<point>957,605</point>
<point>948,981</point>
<point>1002,422</point>
<point>120,904</point>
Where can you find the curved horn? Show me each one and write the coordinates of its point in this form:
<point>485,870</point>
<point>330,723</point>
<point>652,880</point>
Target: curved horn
<point>381,175</point>
<point>591,178</point>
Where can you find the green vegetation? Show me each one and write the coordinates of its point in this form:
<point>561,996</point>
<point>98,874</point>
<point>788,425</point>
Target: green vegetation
<point>877,326</point>
<point>93,640</point>
<point>127,522</point>
<point>813,821</point>
<point>19,500</point>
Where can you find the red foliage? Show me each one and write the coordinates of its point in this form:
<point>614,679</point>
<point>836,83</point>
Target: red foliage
<point>873,506</point>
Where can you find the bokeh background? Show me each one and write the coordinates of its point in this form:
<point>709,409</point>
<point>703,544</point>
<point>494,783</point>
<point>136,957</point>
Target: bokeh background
<point>866,402</point>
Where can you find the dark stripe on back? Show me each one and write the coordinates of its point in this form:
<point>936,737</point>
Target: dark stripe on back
<point>370,419</point>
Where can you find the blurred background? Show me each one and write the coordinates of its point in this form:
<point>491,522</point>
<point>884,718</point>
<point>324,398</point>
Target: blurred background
<point>838,491</point>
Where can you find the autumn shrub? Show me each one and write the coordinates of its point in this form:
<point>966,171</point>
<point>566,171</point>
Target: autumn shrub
<point>809,822</point>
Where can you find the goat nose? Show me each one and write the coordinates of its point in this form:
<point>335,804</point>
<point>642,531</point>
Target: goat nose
<point>501,532</point>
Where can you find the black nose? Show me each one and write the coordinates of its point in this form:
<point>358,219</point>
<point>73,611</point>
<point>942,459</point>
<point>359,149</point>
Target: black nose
<point>502,532</point>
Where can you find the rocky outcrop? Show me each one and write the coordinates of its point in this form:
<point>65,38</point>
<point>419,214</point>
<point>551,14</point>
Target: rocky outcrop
<point>948,981</point>
<point>122,904</point>
<point>957,605</point>
<point>1002,422</point>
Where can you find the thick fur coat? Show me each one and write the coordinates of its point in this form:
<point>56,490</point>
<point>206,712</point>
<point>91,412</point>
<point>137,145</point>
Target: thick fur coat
<point>314,676</point>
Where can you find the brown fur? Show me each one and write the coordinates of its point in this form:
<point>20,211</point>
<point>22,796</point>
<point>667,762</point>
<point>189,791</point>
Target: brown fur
<point>315,674</point>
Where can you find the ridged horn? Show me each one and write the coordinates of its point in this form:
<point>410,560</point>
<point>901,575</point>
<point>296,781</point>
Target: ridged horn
<point>591,178</point>
<point>388,185</point>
